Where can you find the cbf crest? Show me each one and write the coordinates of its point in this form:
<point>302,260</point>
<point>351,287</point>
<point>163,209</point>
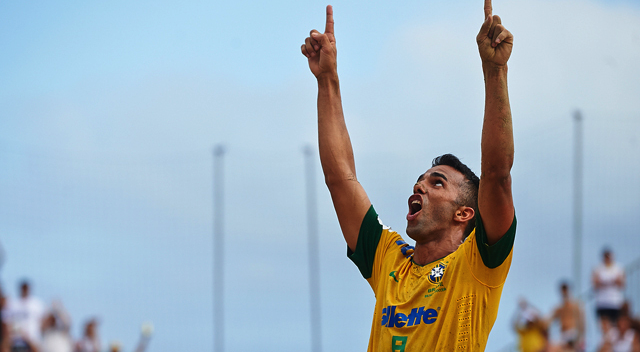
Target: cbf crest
<point>437,273</point>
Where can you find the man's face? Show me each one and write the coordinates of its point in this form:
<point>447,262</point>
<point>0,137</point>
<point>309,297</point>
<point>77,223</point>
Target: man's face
<point>433,204</point>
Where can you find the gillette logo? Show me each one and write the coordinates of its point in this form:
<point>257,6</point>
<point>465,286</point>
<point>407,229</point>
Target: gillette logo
<point>391,319</point>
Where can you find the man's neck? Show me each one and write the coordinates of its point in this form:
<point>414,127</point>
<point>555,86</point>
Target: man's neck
<point>429,251</point>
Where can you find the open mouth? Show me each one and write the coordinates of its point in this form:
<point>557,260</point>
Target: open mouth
<point>415,206</point>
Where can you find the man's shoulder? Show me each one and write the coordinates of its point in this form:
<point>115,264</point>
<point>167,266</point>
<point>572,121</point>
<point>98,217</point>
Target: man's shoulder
<point>375,244</point>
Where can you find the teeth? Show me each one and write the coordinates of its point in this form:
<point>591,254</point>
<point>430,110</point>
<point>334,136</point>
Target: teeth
<point>416,202</point>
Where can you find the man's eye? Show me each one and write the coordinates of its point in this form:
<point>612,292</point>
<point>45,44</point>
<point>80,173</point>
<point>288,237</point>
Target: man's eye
<point>438,183</point>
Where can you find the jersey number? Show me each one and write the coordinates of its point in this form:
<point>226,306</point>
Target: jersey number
<point>398,343</point>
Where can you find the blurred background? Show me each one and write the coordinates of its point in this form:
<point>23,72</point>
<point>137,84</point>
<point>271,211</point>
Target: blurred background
<point>110,113</point>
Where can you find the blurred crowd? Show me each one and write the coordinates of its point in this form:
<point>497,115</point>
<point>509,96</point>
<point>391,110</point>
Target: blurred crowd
<point>28,325</point>
<point>619,329</point>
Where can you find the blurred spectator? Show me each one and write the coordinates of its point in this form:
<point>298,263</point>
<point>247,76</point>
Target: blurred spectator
<point>635,322</point>
<point>609,335</point>
<point>571,319</point>
<point>5,339</point>
<point>90,341</point>
<point>24,316</point>
<point>621,338</point>
<point>531,328</point>
<point>608,284</point>
<point>55,330</point>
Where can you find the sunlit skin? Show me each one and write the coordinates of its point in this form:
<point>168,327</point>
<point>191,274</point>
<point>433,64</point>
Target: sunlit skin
<point>569,314</point>
<point>438,227</point>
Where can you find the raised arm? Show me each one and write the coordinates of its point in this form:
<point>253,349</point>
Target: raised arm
<point>495,201</point>
<point>336,154</point>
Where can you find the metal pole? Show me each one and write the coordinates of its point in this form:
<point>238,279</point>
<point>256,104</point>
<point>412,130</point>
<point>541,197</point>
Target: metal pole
<point>314,266</point>
<point>218,249</point>
<point>577,201</point>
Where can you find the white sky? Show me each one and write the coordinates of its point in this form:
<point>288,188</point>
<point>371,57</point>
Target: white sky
<point>109,112</point>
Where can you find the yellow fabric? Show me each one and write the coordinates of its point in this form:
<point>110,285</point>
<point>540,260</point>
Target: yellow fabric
<point>531,340</point>
<point>418,310</point>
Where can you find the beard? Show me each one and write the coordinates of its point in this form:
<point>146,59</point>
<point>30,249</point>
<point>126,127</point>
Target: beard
<point>430,225</point>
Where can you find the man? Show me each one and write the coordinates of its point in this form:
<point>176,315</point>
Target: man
<point>608,284</point>
<point>25,317</point>
<point>571,319</point>
<point>442,295</point>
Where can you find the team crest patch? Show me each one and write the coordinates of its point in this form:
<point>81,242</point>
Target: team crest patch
<point>437,273</point>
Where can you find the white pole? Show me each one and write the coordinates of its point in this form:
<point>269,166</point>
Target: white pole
<point>314,257</point>
<point>577,202</point>
<point>218,249</point>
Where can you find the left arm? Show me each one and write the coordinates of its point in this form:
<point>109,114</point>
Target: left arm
<point>495,201</point>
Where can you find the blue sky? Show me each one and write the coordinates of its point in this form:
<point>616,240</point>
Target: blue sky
<point>109,113</point>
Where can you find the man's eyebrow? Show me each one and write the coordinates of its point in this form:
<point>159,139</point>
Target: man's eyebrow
<point>437,174</point>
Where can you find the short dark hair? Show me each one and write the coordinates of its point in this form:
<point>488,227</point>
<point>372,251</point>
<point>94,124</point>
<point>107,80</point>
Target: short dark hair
<point>469,195</point>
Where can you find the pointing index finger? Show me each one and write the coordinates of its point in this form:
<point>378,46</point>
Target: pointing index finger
<point>487,8</point>
<point>328,28</point>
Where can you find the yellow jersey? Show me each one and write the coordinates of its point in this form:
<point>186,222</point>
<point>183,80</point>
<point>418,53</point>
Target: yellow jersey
<point>532,340</point>
<point>447,305</point>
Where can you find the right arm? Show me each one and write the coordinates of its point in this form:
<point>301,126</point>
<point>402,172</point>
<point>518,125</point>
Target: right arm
<point>336,154</point>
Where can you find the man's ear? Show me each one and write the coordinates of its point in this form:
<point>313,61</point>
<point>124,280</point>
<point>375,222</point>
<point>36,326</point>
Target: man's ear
<point>464,214</point>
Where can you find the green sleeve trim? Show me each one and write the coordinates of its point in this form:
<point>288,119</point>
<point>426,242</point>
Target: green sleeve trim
<point>368,238</point>
<point>493,256</point>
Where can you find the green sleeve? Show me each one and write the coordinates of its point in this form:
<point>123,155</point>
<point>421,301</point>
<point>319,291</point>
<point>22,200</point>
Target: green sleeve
<point>368,238</point>
<point>493,256</point>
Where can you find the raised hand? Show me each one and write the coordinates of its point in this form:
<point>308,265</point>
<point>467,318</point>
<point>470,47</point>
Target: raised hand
<point>320,48</point>
<point>494,41</point>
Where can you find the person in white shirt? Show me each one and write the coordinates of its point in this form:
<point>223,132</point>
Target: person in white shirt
<point>55,330</point>
<point>24,317</point>
<point>608,284</point>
